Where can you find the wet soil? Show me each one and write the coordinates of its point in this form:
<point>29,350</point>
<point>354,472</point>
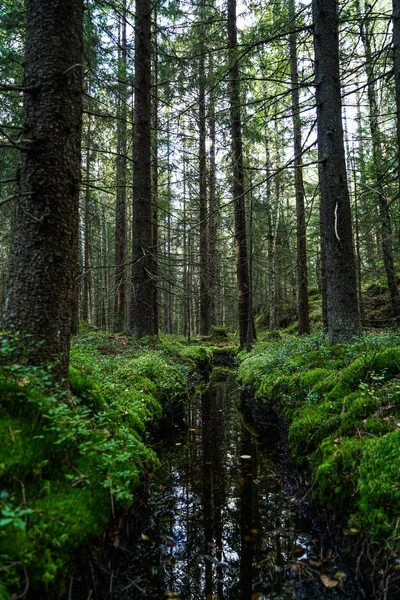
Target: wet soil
<point>224,519</point>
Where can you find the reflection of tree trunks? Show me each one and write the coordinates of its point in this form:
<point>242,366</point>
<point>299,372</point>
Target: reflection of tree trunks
<point>246,516</point>
<point>207,489</point>
<point>218,483</point>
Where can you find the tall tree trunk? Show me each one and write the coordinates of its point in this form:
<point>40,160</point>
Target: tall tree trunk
<point>302,271</point>
<point>378,169</point>
<point>212,206</point>
<point>40,295</point>
<point>396,60</point>
<point>337,236</point>
<point>120,308</point>
<point>205,321</point>
<point>87,275</point>
<point>154,253</point>
<point>242,267</point>
<point>141,317</point>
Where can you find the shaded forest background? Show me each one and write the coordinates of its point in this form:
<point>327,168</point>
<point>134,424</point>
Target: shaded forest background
<point>191,258</point>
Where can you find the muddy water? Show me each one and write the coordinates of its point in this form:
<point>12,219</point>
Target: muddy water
<point>220,522</point>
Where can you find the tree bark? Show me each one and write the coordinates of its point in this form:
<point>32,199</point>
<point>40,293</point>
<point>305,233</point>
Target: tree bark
<point>302,271</point>
<point>337,237</point>
<point>141,316</point>
<point>242,267</point>
<point>120,308</point>
<point>205,320</point>
<point>40,295</point>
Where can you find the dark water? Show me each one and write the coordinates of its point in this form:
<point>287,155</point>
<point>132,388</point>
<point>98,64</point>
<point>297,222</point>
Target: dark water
<point>220,522</point>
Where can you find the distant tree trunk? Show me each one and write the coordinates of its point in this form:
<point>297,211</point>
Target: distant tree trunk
<point>205,321</point>
<point>378,170</point>
<point>337,237</point>
<point>120,308</point>
<point>154,252</point>
<point>212,206</point>
<point>40,295</point>
<point>302,271</point>
<point>396,60</point>
<point>242,267</point>
<point>86,275</point>
<point>141,317</point>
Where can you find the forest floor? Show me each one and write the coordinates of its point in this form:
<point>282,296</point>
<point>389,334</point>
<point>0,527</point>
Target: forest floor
<point>71,460</point>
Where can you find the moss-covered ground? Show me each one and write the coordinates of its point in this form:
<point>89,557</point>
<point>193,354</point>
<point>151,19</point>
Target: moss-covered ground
<point>342,407</point>
<point>70,459</point>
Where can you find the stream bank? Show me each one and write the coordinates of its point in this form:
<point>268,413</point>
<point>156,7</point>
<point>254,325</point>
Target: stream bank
<point>219,520</point>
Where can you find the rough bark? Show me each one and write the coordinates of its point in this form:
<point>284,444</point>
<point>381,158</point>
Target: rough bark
<point>205,321</point>
<point>336,226</point>
<point>141,317</point>
<point>155,200</point>
<point>86,275</point>
<point>212,204</point>
<point>302,271</point>
<point>120,307</point>
<point>40,295</point>
<point>242,267</point>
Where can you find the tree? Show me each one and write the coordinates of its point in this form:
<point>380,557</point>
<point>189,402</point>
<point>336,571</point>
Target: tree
<point>242,267</point>
<point>302,271</point>
<point>121,168</point>
<point>141,314</point>
<point>336,226</point>
<point>41,288</point>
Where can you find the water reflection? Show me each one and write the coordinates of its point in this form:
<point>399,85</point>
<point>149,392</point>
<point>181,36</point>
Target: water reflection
<point>221,525</point>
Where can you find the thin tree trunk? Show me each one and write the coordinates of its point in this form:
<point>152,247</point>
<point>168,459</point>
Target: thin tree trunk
<point>86,275</point>
<point>205,321</point>
<point>40,295</point>
<point>141,317</point>
<point>302,271</point>
<point>212,222</point>
<point>378,170</point>
<point>120,308</point>
<point>242,267</point>
<point>154,253</point>
<point>337,236</point>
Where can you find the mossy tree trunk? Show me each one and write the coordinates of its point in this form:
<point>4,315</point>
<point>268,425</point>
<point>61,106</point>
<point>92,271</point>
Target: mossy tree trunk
<point>40,296</point>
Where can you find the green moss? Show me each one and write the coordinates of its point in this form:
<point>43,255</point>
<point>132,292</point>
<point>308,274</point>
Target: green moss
<point>310,426</point>
<point>379,504</point>
<point>356,408</point>
<point>200,355</point>
<point>76,454</point>
<point>336,474</point>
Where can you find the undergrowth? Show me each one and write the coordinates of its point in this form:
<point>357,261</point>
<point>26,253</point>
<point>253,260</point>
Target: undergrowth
<point>70,459</point>
<point>342,406</point>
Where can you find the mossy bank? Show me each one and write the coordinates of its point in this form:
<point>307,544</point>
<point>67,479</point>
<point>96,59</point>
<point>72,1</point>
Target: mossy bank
<point>70,459</point>
<point>342,407</point>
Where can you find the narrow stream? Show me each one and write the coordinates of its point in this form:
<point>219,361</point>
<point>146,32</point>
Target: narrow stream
<point>220,522</point>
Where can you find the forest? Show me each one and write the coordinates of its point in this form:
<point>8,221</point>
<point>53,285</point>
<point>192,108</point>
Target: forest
<point>191,189</point>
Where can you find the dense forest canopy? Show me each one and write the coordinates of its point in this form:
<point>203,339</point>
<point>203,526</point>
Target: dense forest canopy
<point>221,181</point>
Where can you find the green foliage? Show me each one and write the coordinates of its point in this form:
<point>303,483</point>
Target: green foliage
<point>336,474</point>
<point>380,485</point>
<point>201,356</point>
<point>71,459</point>
<point>342,404</point>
